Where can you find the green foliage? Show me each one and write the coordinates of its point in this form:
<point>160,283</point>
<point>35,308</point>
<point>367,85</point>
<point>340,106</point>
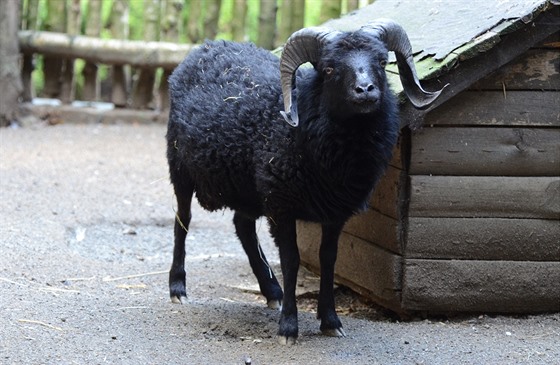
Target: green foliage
<point>137,23</point>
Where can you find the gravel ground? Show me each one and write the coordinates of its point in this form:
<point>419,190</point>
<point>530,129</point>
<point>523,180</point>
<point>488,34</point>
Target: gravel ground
<point>86,240</point>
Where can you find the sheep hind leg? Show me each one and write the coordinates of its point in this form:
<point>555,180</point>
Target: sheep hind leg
<point>177,289</point>
<point>330,323</point>
<point>245,229</point>
<point>284,233</point>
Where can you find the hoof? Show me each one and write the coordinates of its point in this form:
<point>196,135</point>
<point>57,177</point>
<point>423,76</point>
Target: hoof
<point>274,304</point>
<point>179,300</point>
<point>286,341</point>
<point>334,332</point>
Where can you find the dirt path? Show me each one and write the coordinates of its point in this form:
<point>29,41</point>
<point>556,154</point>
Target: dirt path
<point>86,241</point>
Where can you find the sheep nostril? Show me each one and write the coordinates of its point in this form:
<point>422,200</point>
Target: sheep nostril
<point>364,89</point>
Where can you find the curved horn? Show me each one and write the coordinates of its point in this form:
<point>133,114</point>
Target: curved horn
<point>394,36</point>
<point>302,46</point>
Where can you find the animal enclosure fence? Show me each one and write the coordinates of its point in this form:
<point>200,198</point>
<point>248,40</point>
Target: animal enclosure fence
<point>122,51</point>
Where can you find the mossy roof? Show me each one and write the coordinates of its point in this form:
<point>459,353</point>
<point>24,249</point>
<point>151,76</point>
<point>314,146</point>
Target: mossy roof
<point>444,32</point>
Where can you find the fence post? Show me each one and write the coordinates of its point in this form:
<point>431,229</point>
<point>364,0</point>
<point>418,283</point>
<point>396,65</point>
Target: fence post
<point>142,93</point>
<point>29,23</point>
<point>67,88</point>
<point>9,61</point>
<point>120,30</point>
<point>93,29</point>
<point>52,66</point>
<point>171,28</point>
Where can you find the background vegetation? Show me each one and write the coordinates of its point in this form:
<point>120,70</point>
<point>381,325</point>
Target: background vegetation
<point>268,23</point>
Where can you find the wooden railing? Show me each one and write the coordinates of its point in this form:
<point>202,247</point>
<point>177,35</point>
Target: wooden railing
<point>118,54</point>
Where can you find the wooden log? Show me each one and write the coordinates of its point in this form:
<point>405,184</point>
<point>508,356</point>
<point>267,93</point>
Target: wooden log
<point>9,63</point>
<point>486,151</point>
<point>376,228</point>
<point>119,90</point>
<point>29,22</point>
<point>91,87</point>
<point>481,286</point>
<point>68,86</point>
<point>143,89</point>
<point>362,266</point>
<point>106,51</point>
<point>483,239</point>
<point>386,196</point>
<point>513,108</point>
<point>55,21</point>
<point>71,114</point>
<point>537,69</point>
<point>483,196</point>
<point>120,75</point>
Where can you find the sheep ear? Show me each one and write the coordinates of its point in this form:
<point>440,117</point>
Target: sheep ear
<point>302,46</point>
<point>396,39</point>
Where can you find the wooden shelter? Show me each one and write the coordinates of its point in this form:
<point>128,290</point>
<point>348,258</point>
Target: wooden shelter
<point>467,217</point>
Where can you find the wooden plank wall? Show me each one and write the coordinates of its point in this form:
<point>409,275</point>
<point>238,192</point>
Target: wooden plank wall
<point>484,215</point>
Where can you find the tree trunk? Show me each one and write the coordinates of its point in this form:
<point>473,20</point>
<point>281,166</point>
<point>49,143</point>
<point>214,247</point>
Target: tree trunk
<point>298,15</point>
<point>52,66</point>
<point>330,9</point>
<point>267,24</point>
<point>120,74</point>
<point>171,24</point>
<point>291,18</point>
<point>238,20</point>
<point>93,29</point>
<point>9,61</point>
<point>193,25</point>
<point>211,18</point>
<point>171,28</point>
<point>352,5</point>
<point>30,23</point>
<point>142,94</point>
<point>67,88</point>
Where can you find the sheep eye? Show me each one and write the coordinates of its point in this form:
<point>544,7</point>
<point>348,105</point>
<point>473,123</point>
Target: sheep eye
<point>328,70</point>
<point>383,63</point>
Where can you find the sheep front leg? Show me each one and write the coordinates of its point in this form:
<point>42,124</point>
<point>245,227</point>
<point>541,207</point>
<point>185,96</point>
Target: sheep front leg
<point>284,233</point>
<point>330,323</point>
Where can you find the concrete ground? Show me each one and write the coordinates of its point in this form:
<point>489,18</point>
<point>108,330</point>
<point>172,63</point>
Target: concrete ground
<point>86,241</point>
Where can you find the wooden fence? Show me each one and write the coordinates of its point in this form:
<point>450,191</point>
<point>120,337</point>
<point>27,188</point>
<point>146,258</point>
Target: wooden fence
<point>92,50</point>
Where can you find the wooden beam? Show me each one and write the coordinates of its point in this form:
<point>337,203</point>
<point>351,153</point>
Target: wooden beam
<point>481,286</point>
<point>485,196</point>
<point>106,51</point>
<point>493,108</point>
<point>376,228</point>
<point>483,239</point>
<point>537,69</point>
<point>486,151</point>
<point>385,197</point>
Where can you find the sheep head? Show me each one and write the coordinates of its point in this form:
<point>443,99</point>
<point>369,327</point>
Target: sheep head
<point>307,45</point>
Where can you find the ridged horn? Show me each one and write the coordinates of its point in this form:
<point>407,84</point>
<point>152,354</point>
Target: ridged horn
<point>302,46</point>
<point>395,38</point>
